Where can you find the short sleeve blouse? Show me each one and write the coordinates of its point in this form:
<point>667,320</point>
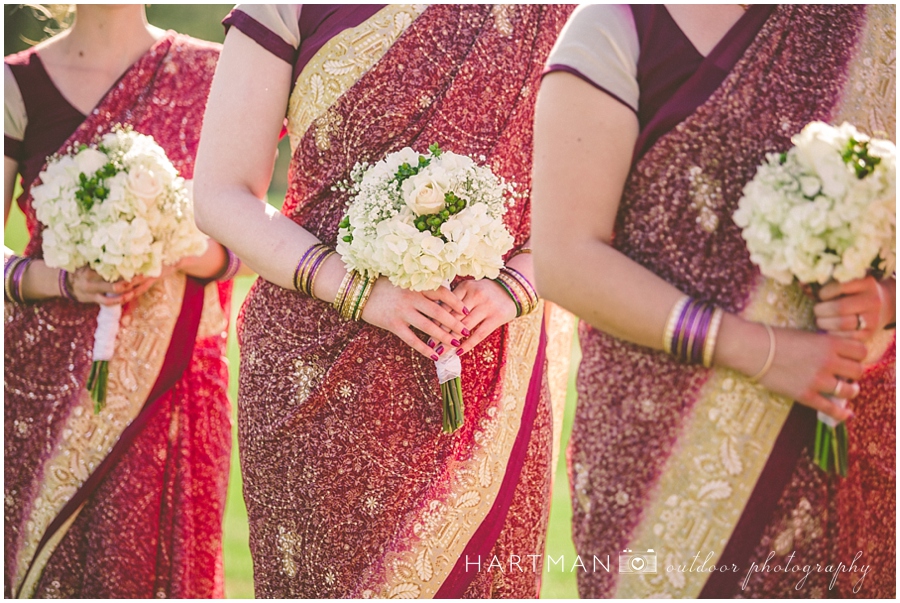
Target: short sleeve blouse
<point>294,32</point>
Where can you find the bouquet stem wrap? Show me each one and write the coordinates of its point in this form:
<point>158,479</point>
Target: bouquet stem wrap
<point>104,346</point>
<point>449,370</point>
<point>830,453</point>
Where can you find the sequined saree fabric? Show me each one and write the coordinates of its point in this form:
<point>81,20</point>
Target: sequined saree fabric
<point>684,463</point>
<point>351,488</point>
<point>128,502</point>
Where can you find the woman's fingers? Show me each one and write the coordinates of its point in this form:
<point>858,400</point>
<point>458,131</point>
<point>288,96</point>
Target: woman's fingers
<point>440,336</point>
<point>437,313</point>
<point>821,403</point>
<point>407,336</point>
<point>448,298</point>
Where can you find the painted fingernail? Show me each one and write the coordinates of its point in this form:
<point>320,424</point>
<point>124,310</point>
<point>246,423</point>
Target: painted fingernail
<point>430,343</point>
<point>465,311</point>
<point>435,357</point>
<point>466,332</point>
<point>440,350</point>
<point>455,343</point>
<point>459,351</point>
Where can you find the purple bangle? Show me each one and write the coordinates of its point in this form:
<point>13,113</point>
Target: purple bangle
<point>64,290</point>
<point>232,267</point>
<point>300,265</point>
<point>690,329</point>
<point>702,331</point>
<point>17,280</point>
<point>528,290</point>
<point>512,294</point>
<point>317,263</point>
<point>680,327</point>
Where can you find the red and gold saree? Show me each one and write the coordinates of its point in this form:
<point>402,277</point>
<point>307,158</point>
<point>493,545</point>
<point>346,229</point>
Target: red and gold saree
<point>351,488</point>
<point>704,470</point>
<point>127,503</point>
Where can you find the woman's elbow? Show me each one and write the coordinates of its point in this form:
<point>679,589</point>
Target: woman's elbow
<point>204,206</point>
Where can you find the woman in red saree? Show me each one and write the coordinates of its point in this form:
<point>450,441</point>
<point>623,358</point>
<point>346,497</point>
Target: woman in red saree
<point>351,488</point>
<point>128,502</point>
<point>704,470</point>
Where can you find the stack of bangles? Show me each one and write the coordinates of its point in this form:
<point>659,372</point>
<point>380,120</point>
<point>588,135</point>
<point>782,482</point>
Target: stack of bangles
<point>692,330</point>
<point>13,271</point>
<point>308,267</point>
<point>231,268</point>
<point>519,289</point>
<point>353,294</point>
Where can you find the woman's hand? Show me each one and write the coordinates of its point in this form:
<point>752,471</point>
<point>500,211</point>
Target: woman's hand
<point>88,287</point>
<point>856,309</point>
<point>489,307</point>
<point>807,367</point>
<point>400,310</point>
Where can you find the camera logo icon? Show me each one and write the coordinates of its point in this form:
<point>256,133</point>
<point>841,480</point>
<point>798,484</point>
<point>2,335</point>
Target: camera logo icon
<point>631,562</point>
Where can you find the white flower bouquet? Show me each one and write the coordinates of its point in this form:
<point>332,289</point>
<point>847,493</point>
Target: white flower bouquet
<point>422,220</point>
<point>119,207</point>
<point>823,210</point>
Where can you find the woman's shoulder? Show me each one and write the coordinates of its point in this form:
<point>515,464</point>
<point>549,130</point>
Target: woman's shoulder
<point>194,47</point>
<point>600,45</point>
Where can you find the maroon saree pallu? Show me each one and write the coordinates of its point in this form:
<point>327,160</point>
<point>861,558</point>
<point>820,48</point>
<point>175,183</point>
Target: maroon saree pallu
<point>127,503</point>
<point>667,459</point>
<point>351,488</point>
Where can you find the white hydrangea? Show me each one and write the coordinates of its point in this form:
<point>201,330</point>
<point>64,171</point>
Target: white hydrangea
<point>379,235</point>
<point>807,215</point>
<point>144,221</point>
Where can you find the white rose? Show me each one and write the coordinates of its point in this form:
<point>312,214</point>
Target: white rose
<point>424,195</point>
<point>144,184</point>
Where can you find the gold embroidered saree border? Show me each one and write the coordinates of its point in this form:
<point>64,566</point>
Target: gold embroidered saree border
<point>338,65</point>
<point>87,438</point>
<point>709,478</point>
<point>444,526</point>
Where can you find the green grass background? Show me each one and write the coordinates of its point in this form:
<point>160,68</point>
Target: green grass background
<point>557,584</point>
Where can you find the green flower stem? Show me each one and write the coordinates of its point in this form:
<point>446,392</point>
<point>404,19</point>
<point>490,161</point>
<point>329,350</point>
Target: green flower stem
<point>452,415</point>
<point>97,384</point>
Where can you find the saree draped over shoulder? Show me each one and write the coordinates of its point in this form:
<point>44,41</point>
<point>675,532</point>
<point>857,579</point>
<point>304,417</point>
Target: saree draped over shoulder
<point>351,488</point>
<point>702,468</point>
<point>128,502</point>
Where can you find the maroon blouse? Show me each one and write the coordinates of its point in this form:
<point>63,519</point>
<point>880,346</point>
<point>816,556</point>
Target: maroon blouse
<point>51,118</point>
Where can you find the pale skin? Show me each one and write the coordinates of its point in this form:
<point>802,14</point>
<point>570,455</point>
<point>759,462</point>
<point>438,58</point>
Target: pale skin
<point>577,188</point>
<point>248,102</point>
<point>84,62</point>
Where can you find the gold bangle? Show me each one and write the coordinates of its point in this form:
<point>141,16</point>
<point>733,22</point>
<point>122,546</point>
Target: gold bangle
<point>342,290</point>
<point>316,271</point>
<point>518,291</point>
<point>531,295</point>
<point>367,291</point>
<point>674,314</point>
<point>518,252</point>
<point>351,296</point>
<point>8,282</point>
<point>770,358</point>
<point>712,335</point>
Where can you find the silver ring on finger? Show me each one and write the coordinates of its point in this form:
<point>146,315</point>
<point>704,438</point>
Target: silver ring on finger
<point>860,322</point>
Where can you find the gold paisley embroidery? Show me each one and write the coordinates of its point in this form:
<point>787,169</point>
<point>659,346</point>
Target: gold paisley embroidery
<point>501,13</point>
<point>708,480</point>
<point>141,346</point>
<point>443,530</point>
<point>338,65</point>
<point>213,322</point>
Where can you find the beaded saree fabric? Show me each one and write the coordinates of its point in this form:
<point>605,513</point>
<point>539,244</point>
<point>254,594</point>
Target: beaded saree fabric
<point>683,460</point>
<point>351,488</point>
<point>127,503</point>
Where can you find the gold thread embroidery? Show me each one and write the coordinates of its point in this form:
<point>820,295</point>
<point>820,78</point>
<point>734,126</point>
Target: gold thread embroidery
<point>706,483</point>
<point>141,346</point>
<point>443,530</point>
<point>338,65</point>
